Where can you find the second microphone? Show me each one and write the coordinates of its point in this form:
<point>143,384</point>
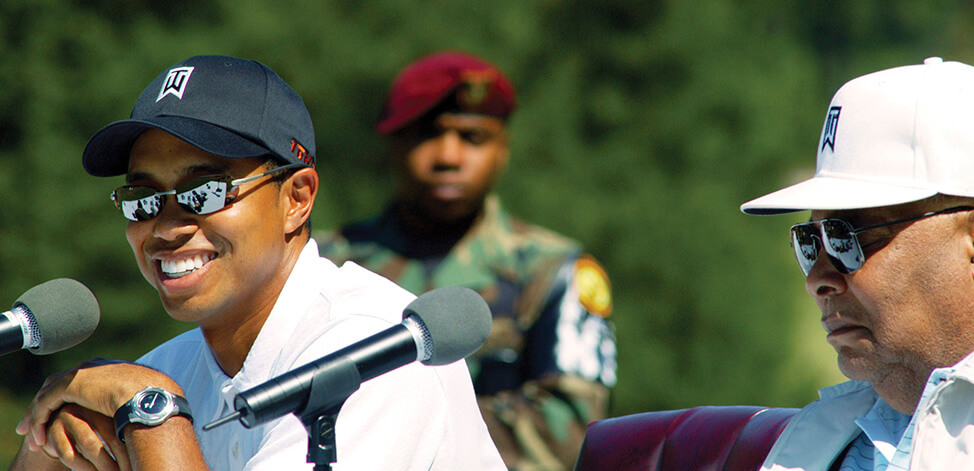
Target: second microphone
<point>439,327</point>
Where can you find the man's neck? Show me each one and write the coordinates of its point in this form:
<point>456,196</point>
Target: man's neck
<point>231,338</point>
<point>437,235</point>
<point>901,392</point>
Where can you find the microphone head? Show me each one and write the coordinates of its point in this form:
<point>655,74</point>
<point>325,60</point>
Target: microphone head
<point>65,311</point>
<point>458,321</point>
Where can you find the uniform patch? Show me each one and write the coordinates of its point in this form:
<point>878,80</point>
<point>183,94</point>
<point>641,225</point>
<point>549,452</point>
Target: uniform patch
<point>592,285</point>
<point>831,125</point>
<point>474,88</point>
<point>175,83</point>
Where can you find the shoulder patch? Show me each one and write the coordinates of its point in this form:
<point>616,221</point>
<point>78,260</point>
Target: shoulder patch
<point>592,285</point>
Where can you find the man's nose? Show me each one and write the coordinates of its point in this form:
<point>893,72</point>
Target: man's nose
<point>824,279</point>
<point>449,153</point>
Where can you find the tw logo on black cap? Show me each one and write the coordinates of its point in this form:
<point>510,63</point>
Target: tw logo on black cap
<point>175,83</point>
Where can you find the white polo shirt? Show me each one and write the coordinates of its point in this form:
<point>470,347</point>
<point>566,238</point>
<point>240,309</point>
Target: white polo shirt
<point>414,418</point>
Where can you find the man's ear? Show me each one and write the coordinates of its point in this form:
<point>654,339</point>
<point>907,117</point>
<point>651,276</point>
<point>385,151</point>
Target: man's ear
<point>505,153</point>
<point>298,195</point>
<point>502,159</point>
<point>969,239</point>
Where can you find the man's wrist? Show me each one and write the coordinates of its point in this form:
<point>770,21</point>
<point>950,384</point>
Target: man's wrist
<point>150,407</point>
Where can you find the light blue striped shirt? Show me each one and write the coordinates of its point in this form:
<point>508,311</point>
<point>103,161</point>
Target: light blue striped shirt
<point>886,440</point>
<point>882,430</point>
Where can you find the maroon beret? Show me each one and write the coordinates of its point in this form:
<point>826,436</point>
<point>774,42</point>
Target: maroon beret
<point>477,86</point>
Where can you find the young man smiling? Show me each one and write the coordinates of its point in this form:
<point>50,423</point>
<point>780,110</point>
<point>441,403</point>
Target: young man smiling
<point>220,182</point>
<point>889,258</point>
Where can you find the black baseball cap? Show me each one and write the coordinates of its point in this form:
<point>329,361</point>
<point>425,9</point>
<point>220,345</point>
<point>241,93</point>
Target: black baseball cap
<point>226,106</point>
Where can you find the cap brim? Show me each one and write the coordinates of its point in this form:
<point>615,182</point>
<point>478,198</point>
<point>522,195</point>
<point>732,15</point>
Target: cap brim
<point>830,193</point>
<point>107,152</point>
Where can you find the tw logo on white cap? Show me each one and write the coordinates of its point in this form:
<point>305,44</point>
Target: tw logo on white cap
<point>175,83</point>
<point>831,125</point>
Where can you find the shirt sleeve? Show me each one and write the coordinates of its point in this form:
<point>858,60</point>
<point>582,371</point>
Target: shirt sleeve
<point>572,334</point>
<point>568,364</point>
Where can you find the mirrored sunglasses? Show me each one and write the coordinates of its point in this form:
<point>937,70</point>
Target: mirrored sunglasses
<point>840,240</point>
<point>201,195</point>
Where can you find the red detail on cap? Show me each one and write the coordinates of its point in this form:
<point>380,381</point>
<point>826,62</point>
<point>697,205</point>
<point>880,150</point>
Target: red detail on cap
<point>429,81</point>
<point>301,153</point>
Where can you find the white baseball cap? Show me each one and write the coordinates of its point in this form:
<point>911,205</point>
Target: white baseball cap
<point>890,137</point>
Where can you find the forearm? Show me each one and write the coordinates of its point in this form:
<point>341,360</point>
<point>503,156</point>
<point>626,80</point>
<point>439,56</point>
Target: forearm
<point>589,400</point>
<point>71,418</point>
<point>542,424</point>
<point>171,445</point>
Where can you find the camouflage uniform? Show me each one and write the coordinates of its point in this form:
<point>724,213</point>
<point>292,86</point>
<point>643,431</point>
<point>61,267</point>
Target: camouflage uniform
<point>544,372</point>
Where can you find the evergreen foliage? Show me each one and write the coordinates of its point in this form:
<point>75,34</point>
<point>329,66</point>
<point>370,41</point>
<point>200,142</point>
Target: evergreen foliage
<point>642,125</point>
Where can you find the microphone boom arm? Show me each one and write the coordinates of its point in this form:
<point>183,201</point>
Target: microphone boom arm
<point>327,381</point>
<point>333,379</point>
<point>433,332</point>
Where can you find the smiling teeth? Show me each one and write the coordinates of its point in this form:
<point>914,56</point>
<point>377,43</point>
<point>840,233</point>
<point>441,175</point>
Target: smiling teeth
<point>181,268</point>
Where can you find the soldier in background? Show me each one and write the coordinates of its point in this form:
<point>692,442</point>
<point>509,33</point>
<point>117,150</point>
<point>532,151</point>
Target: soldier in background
<point>545,370</point>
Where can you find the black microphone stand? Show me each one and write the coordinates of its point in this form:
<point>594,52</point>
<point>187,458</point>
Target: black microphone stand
<point>329,389</point>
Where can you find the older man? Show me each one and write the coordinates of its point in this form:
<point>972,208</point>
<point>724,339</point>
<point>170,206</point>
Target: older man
<point>888,255</point>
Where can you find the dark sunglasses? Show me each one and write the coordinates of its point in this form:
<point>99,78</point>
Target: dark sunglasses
<point>840,240</point>
<point>201,195</point>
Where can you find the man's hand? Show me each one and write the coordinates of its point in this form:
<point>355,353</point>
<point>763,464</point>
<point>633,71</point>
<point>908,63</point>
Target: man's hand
<point>78,439</point>
<point>100,386</point>
<point>82,402</point>
<point>85,440</point>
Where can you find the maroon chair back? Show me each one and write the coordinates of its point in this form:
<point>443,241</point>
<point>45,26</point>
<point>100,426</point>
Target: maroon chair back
<point>705,438</point>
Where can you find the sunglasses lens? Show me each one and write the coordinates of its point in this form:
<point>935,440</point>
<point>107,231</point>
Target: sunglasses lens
<point>138,203</point>
<point>203,195</point>
<point>842,246</point>
<point>803,240</point>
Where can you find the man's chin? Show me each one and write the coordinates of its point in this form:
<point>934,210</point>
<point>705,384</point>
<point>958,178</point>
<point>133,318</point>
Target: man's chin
<point>454,211</point>
<point>858,367</point>
<point>183,309</point>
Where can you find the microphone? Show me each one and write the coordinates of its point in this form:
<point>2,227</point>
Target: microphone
<point>49,317</point>
<point>439,327</point>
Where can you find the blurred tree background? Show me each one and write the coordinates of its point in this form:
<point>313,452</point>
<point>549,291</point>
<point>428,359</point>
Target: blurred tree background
<point>642,125</point>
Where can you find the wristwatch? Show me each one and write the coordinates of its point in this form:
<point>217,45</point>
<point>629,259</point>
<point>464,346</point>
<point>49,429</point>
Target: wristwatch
<point>150,406</point>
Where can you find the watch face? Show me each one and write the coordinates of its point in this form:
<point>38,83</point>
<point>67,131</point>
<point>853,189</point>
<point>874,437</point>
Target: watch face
<point>153,402</point>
